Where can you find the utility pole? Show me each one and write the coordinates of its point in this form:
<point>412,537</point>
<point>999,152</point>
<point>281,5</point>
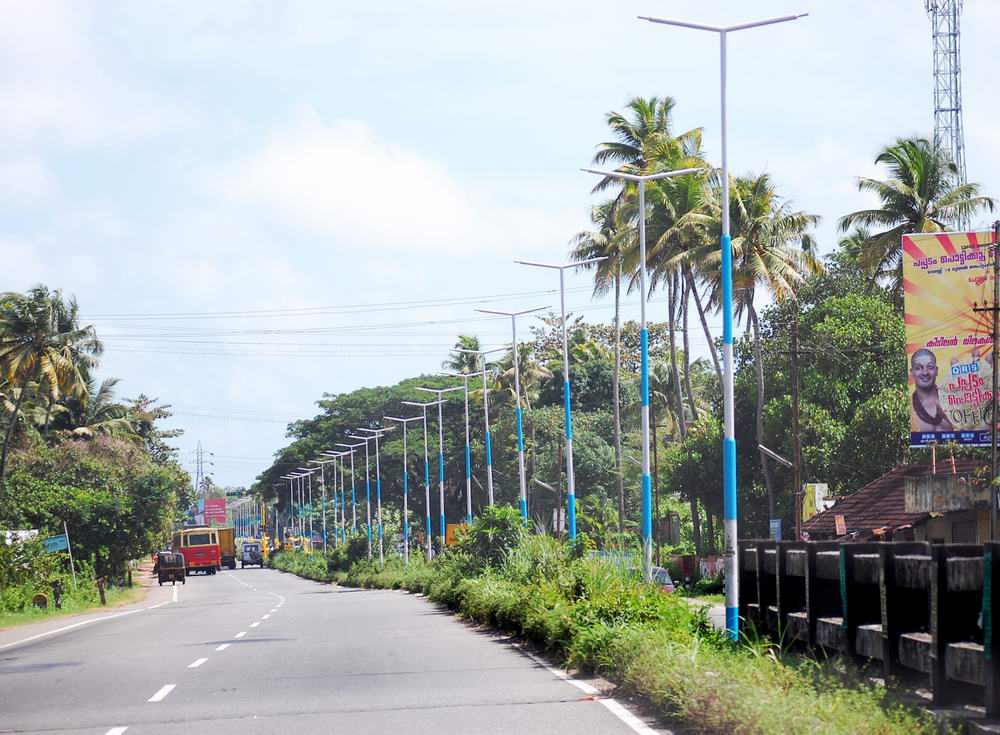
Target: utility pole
<point>796,435</point>
<point>994,310</point>
<point>993,413</point>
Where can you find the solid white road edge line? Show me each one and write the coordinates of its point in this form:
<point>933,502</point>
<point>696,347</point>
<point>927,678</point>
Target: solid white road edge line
<point>223,647</point>
<point>240,634</point>
<point>197,663</point>
<point>164,691</point>
<point>619,711</point>
<point>616,708</point>
<point>116,730</point>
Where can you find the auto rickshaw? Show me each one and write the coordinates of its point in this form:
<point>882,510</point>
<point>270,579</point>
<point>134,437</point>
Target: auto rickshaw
<point>170,567</point>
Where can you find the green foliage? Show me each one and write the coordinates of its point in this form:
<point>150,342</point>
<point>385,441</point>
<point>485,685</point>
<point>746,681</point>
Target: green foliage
<point>492,535</point>
<point>116,503</point>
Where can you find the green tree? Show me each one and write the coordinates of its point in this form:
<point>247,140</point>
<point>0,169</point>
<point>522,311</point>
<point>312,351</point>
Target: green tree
<point>463,362</point>
<point>41,344</point>
<point>921,193</point>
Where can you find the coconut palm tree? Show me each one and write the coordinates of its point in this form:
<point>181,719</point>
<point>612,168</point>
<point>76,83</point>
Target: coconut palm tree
<point>97,414</point>
<point>463,362</point>
<point>643,141</point>
<point>922,193</point>
<point>41,343</point>
<point>773,250</point>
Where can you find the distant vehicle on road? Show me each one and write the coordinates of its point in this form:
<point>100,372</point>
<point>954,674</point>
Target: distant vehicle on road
<point>227,547</point>
<point>251,554</point>
<point>170,567</point>
<point>661,577</point>
<point>200,548</point>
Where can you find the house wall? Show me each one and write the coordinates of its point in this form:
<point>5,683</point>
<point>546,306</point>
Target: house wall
<point>950,527</point>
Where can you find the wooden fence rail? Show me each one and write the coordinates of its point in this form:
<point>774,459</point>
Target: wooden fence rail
<point>922,610</point>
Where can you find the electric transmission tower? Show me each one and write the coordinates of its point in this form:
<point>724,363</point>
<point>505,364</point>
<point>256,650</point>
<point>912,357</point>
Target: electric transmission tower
<point>946,35</point>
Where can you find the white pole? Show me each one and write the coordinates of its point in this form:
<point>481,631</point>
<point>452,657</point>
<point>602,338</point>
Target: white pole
<point>522,476</point>
<point>444,530</point>
<point>570,481</point>
<point>489,444</point>
<point>468,459</point>
<point>406,506</point>
<point>427,489</point>
<point>69,548</point>
<point>647,492</point>
<point>322,482</point>
<point>378,500</point>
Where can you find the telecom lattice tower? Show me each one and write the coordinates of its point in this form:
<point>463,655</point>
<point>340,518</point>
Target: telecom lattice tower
<point>946,35</point>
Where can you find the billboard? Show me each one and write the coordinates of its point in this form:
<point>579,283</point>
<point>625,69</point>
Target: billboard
<point>947,280</point>
<point>214,510</point>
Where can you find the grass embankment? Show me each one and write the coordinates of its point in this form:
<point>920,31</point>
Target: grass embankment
<point>598,618</point>
<point>84,598</point>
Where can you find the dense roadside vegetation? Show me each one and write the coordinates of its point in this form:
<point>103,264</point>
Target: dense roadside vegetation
<point>74,458</point>
<point>597,616</point>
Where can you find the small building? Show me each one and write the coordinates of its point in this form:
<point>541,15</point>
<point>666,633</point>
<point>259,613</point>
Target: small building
<point>913,503</point>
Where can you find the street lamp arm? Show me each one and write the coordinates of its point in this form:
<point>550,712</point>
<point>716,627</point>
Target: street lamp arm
<point>645,177</point>
<point>513,313</point>
<point>722,29</point>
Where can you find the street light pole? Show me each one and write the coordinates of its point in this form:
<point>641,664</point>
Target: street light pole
<point>468,448</point>
<point>517,403</point>
<point>647,481</point>
<point>486,414</point>
<point>368,491</point>
<point>427,477</point>
<point>567,411</point>
<point>322,481</point>
<point>377,434</point>
<point>729,436</point>
<point>354,499</point>
<point>308,474</point>
<point>439,392</point>
<point>406,485</point>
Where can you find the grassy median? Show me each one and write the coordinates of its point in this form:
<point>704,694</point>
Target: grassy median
<point>599,618</point>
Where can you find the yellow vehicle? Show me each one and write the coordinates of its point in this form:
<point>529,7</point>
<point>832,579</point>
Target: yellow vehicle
<point>227,547</point>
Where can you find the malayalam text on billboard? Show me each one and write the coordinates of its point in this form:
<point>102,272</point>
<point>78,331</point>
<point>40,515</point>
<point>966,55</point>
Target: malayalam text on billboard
<point>947,281</point>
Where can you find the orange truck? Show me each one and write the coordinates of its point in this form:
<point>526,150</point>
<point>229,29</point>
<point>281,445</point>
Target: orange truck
<point>227,547</point>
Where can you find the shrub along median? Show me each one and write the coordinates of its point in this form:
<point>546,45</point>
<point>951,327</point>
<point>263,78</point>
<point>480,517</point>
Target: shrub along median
<point>601,618</point>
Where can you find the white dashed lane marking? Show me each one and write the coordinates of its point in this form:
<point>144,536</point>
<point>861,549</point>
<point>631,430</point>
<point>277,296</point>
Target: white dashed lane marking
<point>240,634</point>
<point>197,663</point>
<point>223,647</point>
<point>164,691</point>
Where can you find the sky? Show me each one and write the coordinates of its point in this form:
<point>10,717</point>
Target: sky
<point>260,202</point>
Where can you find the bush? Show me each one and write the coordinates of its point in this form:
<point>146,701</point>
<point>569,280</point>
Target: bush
<point>492,535</point>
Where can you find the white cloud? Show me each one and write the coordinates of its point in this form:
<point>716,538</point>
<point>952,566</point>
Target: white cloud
<point>341,180</point>
<point>25,182</point>
<point>60,83</point>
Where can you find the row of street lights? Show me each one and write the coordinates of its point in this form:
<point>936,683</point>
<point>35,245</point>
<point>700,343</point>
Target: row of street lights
<point>729,441</point>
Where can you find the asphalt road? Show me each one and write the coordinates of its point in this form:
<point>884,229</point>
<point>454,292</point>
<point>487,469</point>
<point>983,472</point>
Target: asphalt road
<point>257,651</point>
